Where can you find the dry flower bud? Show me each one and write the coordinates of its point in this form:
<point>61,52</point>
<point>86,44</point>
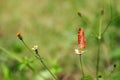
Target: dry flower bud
<point>19,36</point>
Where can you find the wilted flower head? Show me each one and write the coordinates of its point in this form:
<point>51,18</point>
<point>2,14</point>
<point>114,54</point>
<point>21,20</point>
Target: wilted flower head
<point>81,41</point>
<point>19,36</point>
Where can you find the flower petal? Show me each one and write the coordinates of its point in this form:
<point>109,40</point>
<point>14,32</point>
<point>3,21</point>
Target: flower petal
<point>78,51</point>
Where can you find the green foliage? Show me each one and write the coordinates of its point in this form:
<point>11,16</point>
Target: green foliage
<point>115,54</point>
<point>6,72</point>
<point>16,47</point>
<point>27,62</point>
<point>115,76</point>
<point>53,24</point>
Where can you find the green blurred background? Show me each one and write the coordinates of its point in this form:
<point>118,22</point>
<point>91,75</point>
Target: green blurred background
<point>53,25</point>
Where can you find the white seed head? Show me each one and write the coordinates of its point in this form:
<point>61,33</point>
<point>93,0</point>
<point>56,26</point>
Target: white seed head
<point>35,47</point>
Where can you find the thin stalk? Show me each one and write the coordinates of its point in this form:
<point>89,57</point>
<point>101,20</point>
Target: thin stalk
<point>13,56</point>
<point>98,60</point>
<point>99,35</point>
<point>27,46</point>
<point>111,9</point>
<point>109,23</point>
<point>39,57</point>
<point>99,42</point>
<point>81,66</point>
<point>111,19</point>
<point>82,19</point>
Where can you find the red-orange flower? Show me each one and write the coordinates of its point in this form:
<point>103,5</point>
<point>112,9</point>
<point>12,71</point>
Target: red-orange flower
<point>81,41</point>
<point>81,38</point>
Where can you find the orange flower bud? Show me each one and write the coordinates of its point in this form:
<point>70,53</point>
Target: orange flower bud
<point>19,36</point>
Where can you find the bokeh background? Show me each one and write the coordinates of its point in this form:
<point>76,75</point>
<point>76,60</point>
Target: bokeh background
<point>53,25</point>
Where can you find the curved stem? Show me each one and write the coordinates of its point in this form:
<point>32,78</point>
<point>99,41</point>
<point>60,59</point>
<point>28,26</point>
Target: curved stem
<point>81,66</point>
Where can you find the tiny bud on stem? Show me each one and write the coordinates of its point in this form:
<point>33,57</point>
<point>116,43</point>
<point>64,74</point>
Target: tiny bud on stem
<point>79,14</point>
<point>19,36</point>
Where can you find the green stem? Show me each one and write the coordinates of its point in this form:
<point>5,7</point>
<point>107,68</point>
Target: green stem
<point>111,9</point>
<point>27,46</point>
<point>11,54</point>
<point>100,25</point>
<point>84,21</point>
<point>109,23</point>
<point>39,57</point>
<point>81,66</point>
<point>110,18</point>
<point>14,56</point>
<point>99,42</point>
<point>98,59</point>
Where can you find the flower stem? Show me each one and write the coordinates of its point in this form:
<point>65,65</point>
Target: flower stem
<point>98,59</point>
<point>39,57</point>
<point>27,46</point>
<point>111,9</point>
<point>100,26</point>
<point>111,19</point>
<point>99,42</point>
<point>81,66</point>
